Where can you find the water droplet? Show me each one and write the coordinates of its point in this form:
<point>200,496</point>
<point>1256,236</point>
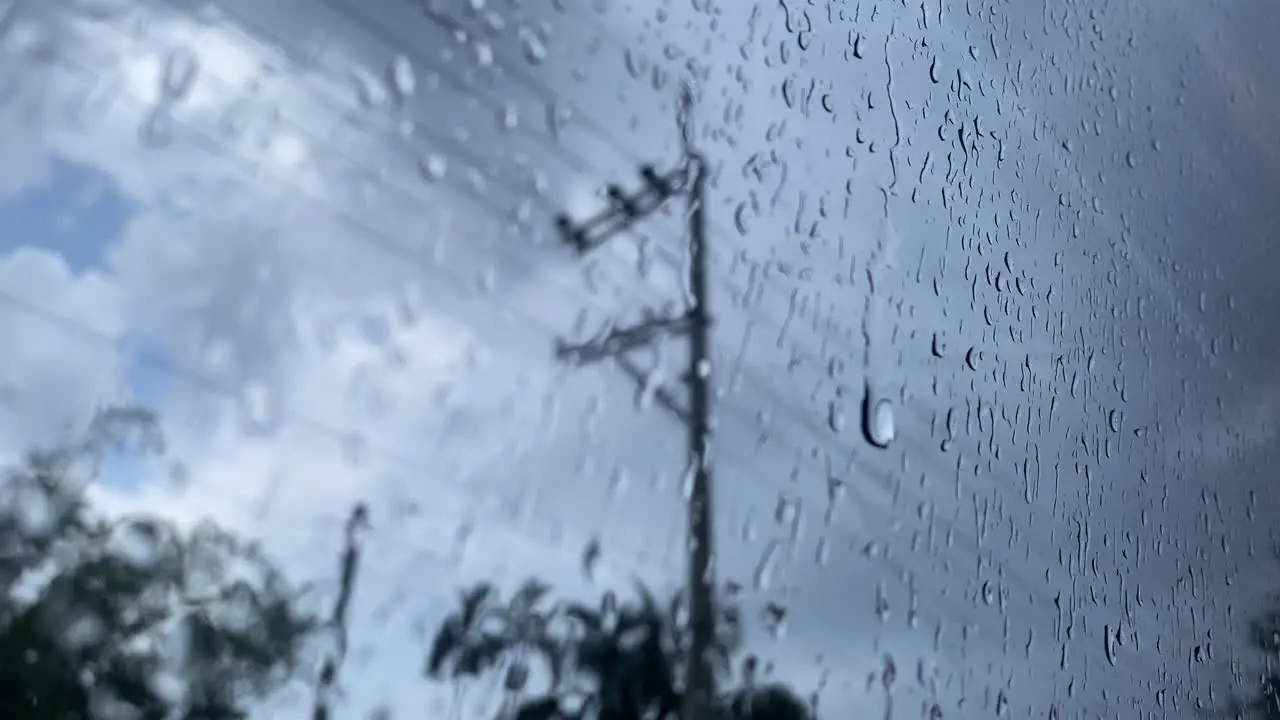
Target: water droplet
<point>775,619</point>
<point>889,675</point>
<point>703,369</point>
<point>939,345</point>
<point>510,117</point>
<point>591,558</point>
<point>158,129</point>
<point>535,50</point>
<point>370,91</point>
<point>988,593</point>
<point>768,567</point>
<point>740,219</point>
<point>1109,643</point>
<point>259,407</point>
<point>433,167</point>
<point>878,424</point>
<point>180,73</point>
<point>882,603</point>
<point>835,415</point>
<point>403,79</point>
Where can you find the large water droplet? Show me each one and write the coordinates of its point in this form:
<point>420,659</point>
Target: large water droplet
<point>403,79</point>
<point>939,345</point>
<point>972,358</point>
<point>1109,643</point>
<point>533,45</point>
<point>878,424</point>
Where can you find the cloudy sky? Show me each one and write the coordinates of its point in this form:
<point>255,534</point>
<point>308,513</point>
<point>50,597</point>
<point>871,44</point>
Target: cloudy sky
<point>318,240</point>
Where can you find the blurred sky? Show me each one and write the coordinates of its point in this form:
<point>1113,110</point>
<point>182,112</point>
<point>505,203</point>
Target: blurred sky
<point>317,237</point>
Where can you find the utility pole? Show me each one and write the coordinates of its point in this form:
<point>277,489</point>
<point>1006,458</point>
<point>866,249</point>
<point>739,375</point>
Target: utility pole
<point>700,687</point>
<point>624,211</point>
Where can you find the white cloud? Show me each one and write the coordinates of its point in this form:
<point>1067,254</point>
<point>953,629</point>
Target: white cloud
<point>292,342</point>
<point>46,369</point>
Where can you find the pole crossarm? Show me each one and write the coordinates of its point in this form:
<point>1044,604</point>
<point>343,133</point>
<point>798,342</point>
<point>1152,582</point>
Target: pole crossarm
<point>618,342</point>
<point>623,210</point>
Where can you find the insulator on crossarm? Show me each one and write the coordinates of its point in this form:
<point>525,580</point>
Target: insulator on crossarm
<point>575,236</point>
<point>622,202</point>
<point>656,182</point>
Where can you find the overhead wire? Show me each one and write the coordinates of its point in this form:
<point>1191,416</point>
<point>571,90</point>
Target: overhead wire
<point>367,236</point>
<point>367,233</point>
<point>513,71</point>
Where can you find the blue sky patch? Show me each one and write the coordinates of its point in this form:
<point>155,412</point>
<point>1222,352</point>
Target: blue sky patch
<point>78,213</point>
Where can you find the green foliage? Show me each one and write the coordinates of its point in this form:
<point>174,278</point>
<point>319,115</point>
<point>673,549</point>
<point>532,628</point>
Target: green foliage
<point>130,617</point>
<point>616,661</point>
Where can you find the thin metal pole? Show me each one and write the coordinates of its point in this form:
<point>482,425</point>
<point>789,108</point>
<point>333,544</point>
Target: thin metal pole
<point>700,692</point>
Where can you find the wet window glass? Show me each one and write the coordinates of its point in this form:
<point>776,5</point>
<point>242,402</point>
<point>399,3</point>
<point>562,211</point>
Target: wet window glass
<point>692,359</point>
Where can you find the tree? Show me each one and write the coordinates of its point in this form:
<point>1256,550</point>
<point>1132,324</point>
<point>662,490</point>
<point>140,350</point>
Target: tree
<point>1263,700</point>
<point>615,661</point>
<point>130,617</point>
<point>133,618</point>
<point>1264,636</point>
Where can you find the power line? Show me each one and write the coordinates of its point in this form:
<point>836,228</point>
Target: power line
<point>481,203</point>
<point>757,312</point>
<point>377,239</point>
<point>206,384</point>
<point>203,383</point>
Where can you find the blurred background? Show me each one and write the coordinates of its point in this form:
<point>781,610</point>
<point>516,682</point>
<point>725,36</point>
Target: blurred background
<point>994,356</point>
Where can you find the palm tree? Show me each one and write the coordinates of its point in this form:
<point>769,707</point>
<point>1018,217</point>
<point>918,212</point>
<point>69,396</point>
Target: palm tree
<point>485,632</point>
<point>613,661</point>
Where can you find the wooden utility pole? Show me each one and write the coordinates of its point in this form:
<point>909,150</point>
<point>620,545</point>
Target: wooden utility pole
<point>624,211</point>
<point>700,685</point>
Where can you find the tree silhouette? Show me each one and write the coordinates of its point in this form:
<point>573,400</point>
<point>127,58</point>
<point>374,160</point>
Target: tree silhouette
<point>1264,636</point>
<point>1263,699</point>
<point>130,617</point>
<point>615,661</point>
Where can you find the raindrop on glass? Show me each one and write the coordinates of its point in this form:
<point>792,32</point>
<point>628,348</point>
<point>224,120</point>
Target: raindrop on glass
<point>878,423</point>
<point>403,80</point>
<point>535,50</point>
<point>433,167</point>
<point>939,345</point>
<point>180,72</point>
